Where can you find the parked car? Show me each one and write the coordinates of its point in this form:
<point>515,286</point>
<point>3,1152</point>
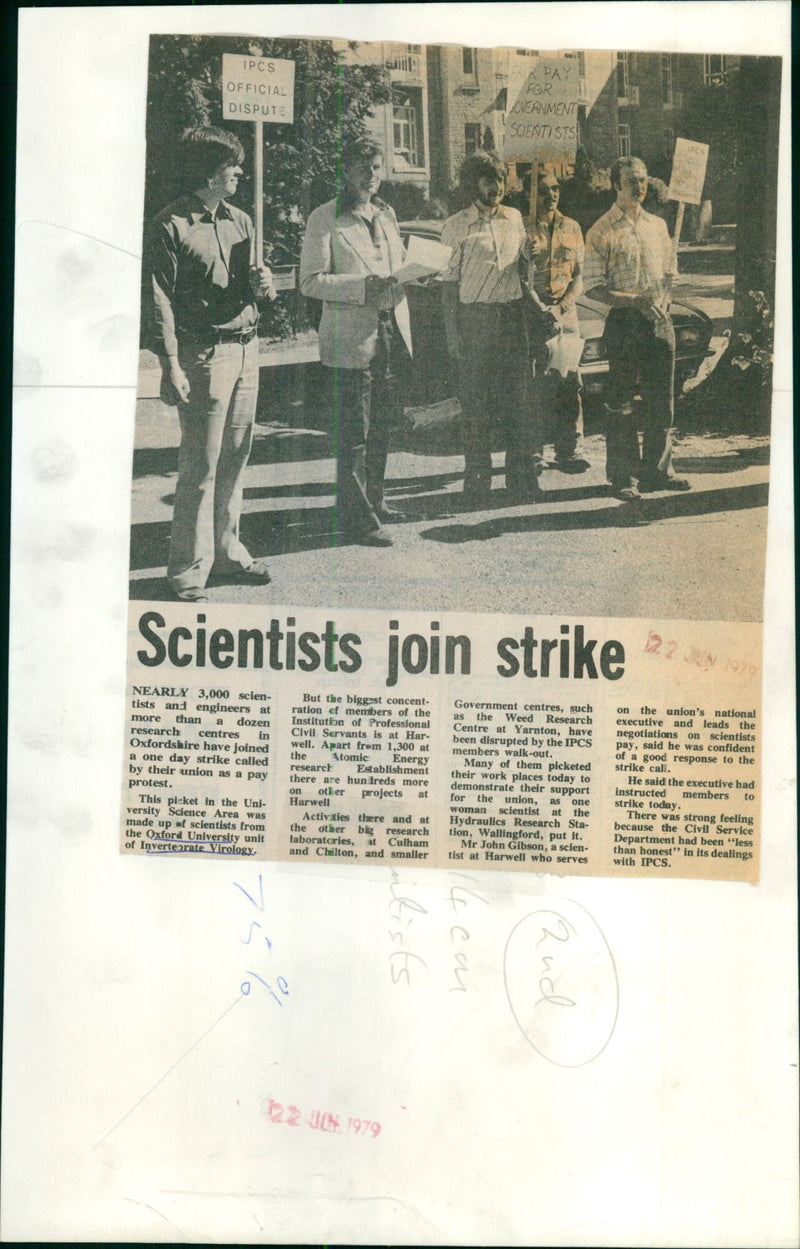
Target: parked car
<point>433,377</point>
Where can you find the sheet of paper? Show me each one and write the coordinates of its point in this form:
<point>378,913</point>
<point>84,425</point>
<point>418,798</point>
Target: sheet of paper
<point>423,257</point>
<point>238,1052</point>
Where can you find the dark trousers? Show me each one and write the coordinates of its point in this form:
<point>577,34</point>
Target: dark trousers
<point>367,404</point>
<point>637,355</point>
<point>494,379</point>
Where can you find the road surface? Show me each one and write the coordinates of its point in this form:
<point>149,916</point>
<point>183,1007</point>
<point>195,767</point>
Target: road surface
<point>575,551</point>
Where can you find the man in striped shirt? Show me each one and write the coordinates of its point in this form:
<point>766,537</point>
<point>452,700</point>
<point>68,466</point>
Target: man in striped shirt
<point>630,266</point>
<point>486,329</point>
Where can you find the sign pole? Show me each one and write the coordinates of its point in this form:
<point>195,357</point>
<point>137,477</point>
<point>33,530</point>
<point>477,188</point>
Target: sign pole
<point>534,197</point>
<point>677,234</point>
<point>259,191</point>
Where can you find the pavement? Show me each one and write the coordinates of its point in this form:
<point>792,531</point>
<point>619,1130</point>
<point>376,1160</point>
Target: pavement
<point>574,551</point>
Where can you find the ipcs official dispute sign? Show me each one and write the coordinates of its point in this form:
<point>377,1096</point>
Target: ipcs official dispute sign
<point>257,88</point>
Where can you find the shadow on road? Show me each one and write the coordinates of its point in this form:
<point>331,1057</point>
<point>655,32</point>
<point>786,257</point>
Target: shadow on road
<point>300,529</point>
<point>741,457</point>
<point>616,516</point>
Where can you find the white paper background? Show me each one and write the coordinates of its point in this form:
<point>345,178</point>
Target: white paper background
<point>682,1132</point>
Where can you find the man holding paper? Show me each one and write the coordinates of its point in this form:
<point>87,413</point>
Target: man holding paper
<point>556,343</point>
<point>630,266</point>
<point>351,258</point>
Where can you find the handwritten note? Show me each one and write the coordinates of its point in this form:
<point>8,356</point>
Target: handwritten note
<point>561,984</point>
<point>257,938</point>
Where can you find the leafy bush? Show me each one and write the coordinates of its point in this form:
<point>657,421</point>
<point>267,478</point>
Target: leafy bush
<point>737,394</point>
<point>751,350</point>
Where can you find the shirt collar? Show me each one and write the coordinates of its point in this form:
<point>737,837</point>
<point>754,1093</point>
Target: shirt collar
<point>376,207</point>
<point>619,215</point>
<point>558,218</point>
<point>199,210</point>
<point>479,215</point>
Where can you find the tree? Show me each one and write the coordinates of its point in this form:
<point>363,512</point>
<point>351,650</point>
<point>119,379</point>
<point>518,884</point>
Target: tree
<point>741,384</point>
<point>302,161</point>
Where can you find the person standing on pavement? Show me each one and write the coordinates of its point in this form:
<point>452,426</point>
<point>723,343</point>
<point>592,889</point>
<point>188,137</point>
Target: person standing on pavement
<point>557,249</point>
<point>486,329</point>
<point>204,287</point>
<point>630,267</point>
<point>351,251</point>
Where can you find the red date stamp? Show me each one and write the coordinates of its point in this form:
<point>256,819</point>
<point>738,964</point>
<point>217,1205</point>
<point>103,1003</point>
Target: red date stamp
<point>700,657</point>
<point>320,1120</point>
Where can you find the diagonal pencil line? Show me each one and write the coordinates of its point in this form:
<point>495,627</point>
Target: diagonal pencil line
<point>59,225</point>
<point>161,1079</point>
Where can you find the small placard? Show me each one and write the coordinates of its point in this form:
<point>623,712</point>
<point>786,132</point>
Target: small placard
<point>257,88</point>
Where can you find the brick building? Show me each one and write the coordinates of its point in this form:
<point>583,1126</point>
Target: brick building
<point>448,101</point>
<point>402,125</point>
<point>655,92</point>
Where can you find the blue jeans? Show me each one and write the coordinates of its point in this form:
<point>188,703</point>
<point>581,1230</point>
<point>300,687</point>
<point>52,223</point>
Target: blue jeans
<point>216,433</point>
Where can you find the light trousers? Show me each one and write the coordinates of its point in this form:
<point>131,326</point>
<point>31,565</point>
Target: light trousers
<point>216,434</point>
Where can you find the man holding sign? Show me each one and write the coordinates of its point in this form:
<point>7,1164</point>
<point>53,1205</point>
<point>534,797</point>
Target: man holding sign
<point>487,334</point>
<point>204,290</point>
<point>630,266</point>
<point>556,343</point>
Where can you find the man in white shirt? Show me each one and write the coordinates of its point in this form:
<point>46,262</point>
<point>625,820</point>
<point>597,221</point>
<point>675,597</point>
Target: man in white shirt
<point>629,266</point>
<point>486,329</point>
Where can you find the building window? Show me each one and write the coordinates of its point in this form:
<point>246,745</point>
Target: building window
<point>714,70</point>
<point>669,142</point>
<point>667,86</point>
<point>526,52</point>
<point>623,139</point>
<point>623,75</point>
<point>472,137</point>
<point>407,129</point>
<point>468,62</point>
<point>580,57</point>
<point>406,60</point>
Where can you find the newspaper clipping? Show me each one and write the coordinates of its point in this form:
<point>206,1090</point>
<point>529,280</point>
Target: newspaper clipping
<point>451,456</point>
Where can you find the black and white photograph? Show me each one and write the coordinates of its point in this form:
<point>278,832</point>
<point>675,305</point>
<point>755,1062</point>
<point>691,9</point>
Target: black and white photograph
<point>455,327</point>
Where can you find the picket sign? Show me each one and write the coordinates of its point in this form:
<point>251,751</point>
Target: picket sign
<point>686,182</point>
<point>258,89</point>
<point>541,122</point>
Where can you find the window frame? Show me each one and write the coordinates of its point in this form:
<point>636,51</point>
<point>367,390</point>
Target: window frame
<point>476,127</point>
<point>408,101</point>
<point>712,77</point>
